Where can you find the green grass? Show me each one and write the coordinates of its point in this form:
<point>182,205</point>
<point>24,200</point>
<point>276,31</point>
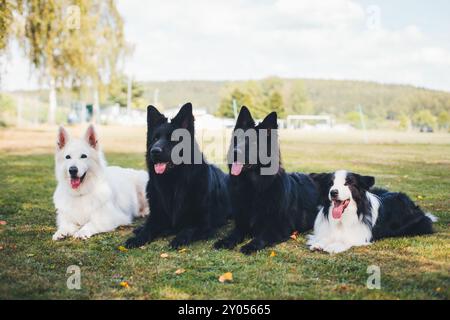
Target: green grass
<point>33,266</point>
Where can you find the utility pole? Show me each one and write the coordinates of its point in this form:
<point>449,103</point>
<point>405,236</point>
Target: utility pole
<point>363,124</point>
<point>129,96</point>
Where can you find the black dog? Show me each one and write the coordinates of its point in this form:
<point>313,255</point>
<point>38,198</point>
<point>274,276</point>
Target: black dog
<point>187,199</point>
<point>354,213</point>
<point>269,208</point>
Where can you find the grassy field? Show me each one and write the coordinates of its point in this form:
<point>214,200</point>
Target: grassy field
<point>33,266</point>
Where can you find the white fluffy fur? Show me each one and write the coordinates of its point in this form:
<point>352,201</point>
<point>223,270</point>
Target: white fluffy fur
<point>107,198</point>
<point>338,235</point>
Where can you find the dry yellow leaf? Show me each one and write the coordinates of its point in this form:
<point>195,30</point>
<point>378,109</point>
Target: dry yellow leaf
<point>180,271</point>
<point>164,255</point>
<point>122,248</point>
<point>124,284</point>
<point>227,276</point>
<point>273,254</point>
<point>182,250</point>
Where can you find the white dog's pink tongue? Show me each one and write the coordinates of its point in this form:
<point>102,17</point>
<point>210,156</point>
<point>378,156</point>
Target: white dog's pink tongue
<point>236,168</point>
<point>338,209</point>
<point>75,183</point>
<point>160,168</point>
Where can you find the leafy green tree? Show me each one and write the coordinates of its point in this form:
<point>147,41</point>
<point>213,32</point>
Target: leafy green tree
<point>444,120</point>
<point>118,90</point>
<point>354,118</point>
<point>298,101</point>
<point>275,103</point>
<point>405,122</point>
<point>226,105</point>
<point>424,118</point>
<point>262,97</point>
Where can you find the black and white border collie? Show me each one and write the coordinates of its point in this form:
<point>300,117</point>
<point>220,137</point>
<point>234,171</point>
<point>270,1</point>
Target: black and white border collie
<point>355,214</point>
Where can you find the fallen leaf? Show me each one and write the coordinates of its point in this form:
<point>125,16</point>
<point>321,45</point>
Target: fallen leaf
<point>420,197</point>
<point>3,223</point>
<point>182,250</point>
<point>124,284</point>
<point>227,276</point>
<point>122,248</point>
<point>164,255</point>
<point>438,289</point>
<point>180,271</point>
<point>273,254</point>
<point>294,235</point>
<point>30,255</point>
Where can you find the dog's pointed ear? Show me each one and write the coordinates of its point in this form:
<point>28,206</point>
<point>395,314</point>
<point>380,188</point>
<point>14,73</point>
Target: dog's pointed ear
<point>91,137</point>
<point>322,180</point>
<point>270,121</point>
<point>63,138</point>
<point>245,120</point>
<point>184,118</point>
<point>154,117</point>
<point>366,182</point>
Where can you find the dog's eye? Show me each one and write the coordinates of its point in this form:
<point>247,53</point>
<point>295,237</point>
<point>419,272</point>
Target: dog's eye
<point>67,157</point>
<point>83,156</point>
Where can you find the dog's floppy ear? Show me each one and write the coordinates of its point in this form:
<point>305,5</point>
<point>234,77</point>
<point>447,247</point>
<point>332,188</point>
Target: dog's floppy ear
<point>366,182</point>
<point>184,118</point>
<point>154,117</point>
<point>91,137</point>
<point>270,121</point>
<point>63,137</point>
<point>245,120</point>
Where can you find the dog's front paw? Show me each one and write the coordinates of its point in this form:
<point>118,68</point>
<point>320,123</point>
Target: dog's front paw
<point>336,248</point>
<point>224,244</point>
<point>135,242</point>
<point>315,246</point>
<point>83,234</point>
<point>249,248</point>
<point>179,241</point>
<point>58,235</point>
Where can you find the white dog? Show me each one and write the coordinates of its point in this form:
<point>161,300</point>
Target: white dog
<point>91,197</point>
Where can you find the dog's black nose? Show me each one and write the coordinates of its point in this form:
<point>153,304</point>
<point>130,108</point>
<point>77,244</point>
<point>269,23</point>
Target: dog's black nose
<point>334,193</point>
<point>73,171</point>
<point>155,150</point>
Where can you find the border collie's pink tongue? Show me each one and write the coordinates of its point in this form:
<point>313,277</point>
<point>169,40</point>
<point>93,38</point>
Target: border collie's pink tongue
<point>338,208</point>
<point>236,168</point>
<point>75,182</point>
<point>160,168</point>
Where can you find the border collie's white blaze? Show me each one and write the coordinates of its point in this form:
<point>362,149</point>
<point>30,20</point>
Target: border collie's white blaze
<point>90,197</point>
<point>349,213</point>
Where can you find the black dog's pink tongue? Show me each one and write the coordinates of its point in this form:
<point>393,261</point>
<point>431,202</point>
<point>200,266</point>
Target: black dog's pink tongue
<point>236,168</point>
<point>160,168</point>
<point>339,208</point>
<point>75,182</point>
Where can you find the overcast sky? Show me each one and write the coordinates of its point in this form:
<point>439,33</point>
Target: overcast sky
<point>395,41</point>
